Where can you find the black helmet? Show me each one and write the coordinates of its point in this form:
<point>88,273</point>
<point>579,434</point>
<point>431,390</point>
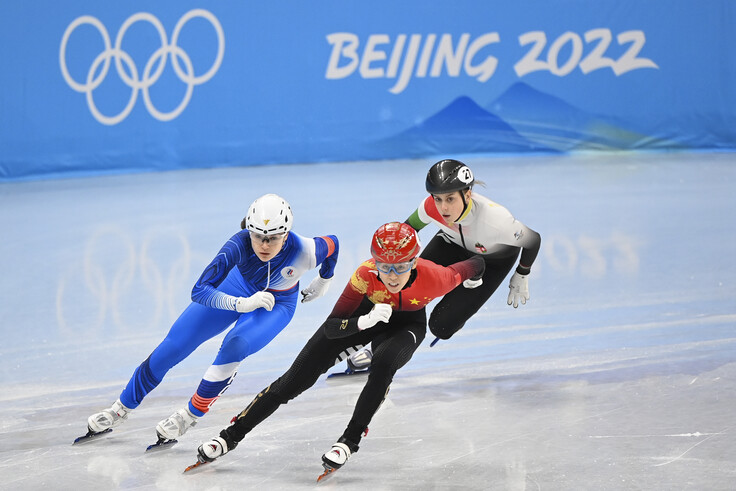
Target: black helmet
<point>447,176</point>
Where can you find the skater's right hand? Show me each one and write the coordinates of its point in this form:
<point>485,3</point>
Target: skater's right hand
<point>381,312</point>
<point>257,300</point>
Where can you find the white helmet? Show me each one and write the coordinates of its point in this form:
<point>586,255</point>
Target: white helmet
<point>269,215</point>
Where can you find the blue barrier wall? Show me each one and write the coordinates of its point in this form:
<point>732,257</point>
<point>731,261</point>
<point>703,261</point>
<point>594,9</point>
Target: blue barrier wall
<point>93,87</point>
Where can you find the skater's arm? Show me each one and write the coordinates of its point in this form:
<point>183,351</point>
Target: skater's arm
<point>205,290</point>
<point>444,279</point>
<point>470,269</point>
<point>519,282</point>
<point>530,242</point>
<point>327,249</point>
<point>415,222</point>
<point>530,249</point>
<point>342,321</point>
<point>514,233</point>
<point>336,328</point>
<point>424,215</point>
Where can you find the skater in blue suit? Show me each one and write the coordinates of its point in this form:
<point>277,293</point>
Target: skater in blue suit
<point>252,282</point>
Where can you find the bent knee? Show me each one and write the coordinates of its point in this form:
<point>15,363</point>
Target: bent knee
<point>236,348</point>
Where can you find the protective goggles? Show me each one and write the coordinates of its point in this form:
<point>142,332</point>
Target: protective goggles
<point>398,268</point>
<point>267,239</point>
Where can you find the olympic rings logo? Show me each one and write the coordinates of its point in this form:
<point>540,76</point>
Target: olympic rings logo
<point>150,74</point>
<point>139,281</point>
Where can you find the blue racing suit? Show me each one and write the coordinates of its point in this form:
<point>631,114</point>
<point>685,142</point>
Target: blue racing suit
<point>235,272</point>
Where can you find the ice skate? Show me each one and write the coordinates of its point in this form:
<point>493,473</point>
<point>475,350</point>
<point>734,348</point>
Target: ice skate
<point>103,422</point>
<point>176,425</point>
<point>169,429</point>
<point>213,449</point>
<point>358,363</point>
<point>360,360</point>
<point>108,418</point>
<point>337,456</point>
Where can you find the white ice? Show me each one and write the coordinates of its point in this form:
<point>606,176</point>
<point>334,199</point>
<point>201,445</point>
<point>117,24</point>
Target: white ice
<point>620,373</point>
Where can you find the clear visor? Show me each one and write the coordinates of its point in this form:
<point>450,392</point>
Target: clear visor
<point>398,268</point>
<point>267,239</point>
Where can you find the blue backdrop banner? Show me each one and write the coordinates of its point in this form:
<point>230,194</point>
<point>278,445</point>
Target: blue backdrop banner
<point>100,87</point>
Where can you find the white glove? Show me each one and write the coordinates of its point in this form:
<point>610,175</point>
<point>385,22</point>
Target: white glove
<point>316,289</point>
<point>519,286</point>
<point>257,300</point>
<point>470,283</point>
<point>381,312</point>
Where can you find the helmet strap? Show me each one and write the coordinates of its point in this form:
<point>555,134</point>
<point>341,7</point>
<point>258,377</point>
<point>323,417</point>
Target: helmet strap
<point>466,205</point>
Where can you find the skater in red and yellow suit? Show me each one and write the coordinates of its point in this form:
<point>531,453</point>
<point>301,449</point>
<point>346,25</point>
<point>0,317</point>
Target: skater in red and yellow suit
<point>383,304</point>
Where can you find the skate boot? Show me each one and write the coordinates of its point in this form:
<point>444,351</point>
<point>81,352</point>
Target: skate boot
<point>360,360</point>
<point>338,454</point>
<point>108,418</point>
<point>215,448</point>
<point>176,425</point>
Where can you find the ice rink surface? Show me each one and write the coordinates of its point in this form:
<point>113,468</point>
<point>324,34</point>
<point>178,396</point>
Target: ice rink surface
<point>619,374</point>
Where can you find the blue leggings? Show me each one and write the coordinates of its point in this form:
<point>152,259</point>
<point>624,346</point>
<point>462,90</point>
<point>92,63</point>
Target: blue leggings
<point>197,324</point>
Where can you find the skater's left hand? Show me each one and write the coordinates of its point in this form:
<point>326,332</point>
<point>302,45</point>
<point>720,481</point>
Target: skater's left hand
<point>519,289</point>
<point>316,289</point>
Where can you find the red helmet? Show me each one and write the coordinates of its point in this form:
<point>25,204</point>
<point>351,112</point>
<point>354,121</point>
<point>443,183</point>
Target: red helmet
<point>395,242</point>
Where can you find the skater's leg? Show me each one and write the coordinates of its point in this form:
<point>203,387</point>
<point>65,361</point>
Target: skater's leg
<point>391,351</point>
<point>251,333</point>
<point>317,356</point>
<point>453,311</point>
<point>194,326</point>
